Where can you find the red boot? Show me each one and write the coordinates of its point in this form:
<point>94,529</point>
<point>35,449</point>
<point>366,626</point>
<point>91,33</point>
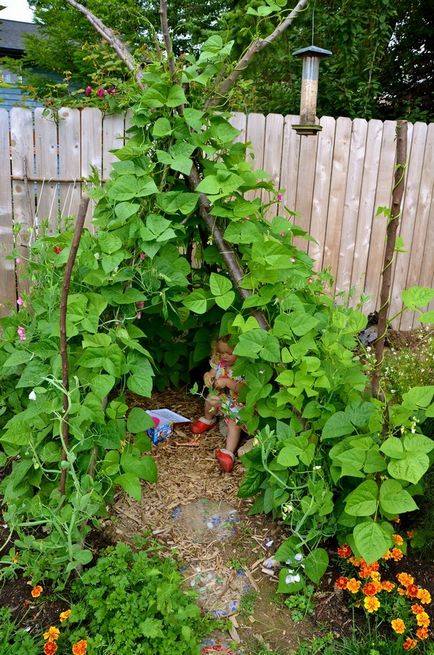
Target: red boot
<point>226,459</point>
<point>200,426</point>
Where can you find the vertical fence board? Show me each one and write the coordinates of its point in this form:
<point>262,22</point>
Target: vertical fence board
<point>91,148</point>
<point>255,135</point>
<point>321,192</point>
<point>337,194</point>
<point>366,212</point>
<point>427,266</point>
<point>415,158</point>
<point>112,139</point>
<point>7,269</point>
<point>383,192</point>
<point>290,157</point>
<point>46,167</point>
<point>239,121</point>
<point>69,161</point>
<point>351,206</point>
<point>305,182</point>
<point>273,157</point>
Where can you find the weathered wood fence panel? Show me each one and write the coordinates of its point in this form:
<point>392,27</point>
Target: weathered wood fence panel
<point>335,182</point>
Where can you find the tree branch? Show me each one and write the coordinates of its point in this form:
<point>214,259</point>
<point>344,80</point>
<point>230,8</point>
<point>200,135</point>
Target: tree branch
<point>63,336</point>
<point>255,47</point>
<point>392,229</point>
<point>111,38</point>
<point>167,40</point>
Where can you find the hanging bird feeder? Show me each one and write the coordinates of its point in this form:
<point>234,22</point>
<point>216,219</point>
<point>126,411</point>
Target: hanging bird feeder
<point>309,88</point>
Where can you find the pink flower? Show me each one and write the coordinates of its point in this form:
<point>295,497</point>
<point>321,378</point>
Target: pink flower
<point>100,93</point>
<point>20,301</point>
<point>88,91</point>
<point>18,260</point>
<point>282,234</point>
<point>21,331</point>
<point>111,91</point>
<point>280,197</point>
<point>139,315</point>
<point>142,255</point>
<point>140,304</point>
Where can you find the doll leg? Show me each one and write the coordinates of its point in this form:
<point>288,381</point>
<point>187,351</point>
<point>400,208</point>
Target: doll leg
<point>226,456</point>
<point>208,420</point>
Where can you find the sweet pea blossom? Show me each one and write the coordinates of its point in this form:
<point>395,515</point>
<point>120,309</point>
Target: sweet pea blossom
<point>32,395</point>
<point>280,197</point>
<point>21,331</point>
<point>20,301</point>
<point>292,578</point>
<point>298,557</point>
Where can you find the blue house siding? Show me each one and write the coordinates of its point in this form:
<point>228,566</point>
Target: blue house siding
<point>12,97</point>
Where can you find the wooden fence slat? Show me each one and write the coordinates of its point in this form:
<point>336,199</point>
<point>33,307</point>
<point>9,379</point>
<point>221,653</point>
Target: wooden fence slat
<point>416,148</point>
<point>416,255</point>
<point>305,182</point>
<point>272,157</point>
<point>337,194</point>
<point>239,121</point>
<point>427,267</point>
<point>112,139</point>
<point>91,148</point>
<point>7,267</point>
<point>367,209</point>
<point>321,192</point>
<point>351,206</point>
<point>290,157</point>
<point>69,161</point>
<point>23,192</point>
<point>46,166</point>
<point>255,135</point>
<point>374,265</point>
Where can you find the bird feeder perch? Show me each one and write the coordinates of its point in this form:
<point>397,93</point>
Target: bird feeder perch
<point>309,88</point>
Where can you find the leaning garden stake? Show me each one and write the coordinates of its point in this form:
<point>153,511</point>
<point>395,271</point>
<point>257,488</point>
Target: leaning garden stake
<point>392,229</point>
<point>63,336</point>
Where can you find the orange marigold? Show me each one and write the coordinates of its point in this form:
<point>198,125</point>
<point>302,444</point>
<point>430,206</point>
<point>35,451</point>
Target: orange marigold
<point>353,585</point>
<point>371,588</point>
<point>409,643</point>
<point>50,647</point>
<point>52,633</point>
<point>417,609</point>
<point>37,591</point>
<point>387,555</point>
<point>396,554</point>
<point>405,579</point>
<point>422,620</point>
<point>371,604</point>
<point>375,576</point>
<point>398,539</point>
<point>355,561</point>
<point>422,633</point>
<point>398,626</point>
<point>80,647</point>
<point>341,583</point>
<point>412,590</point>
<point>410,534</point>
<point>424,596</point>
<point>344,551</point>
<point>402,592</point>
<point>388,586</point>
<point>64,616</point>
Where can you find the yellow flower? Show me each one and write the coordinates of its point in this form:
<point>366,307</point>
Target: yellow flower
<point>398,626</point>
<point>398,539</point>
<point>52,633</point>
<point>422,620</point>
<point>424,596</point>
<point>37,591</point>
<point>371,604</point>
<point>405,579</point>
<point>388,586</point>
<point>353,585</point>
<point>63,616</point>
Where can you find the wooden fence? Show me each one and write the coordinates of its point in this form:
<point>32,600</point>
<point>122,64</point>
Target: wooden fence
<point>335,182</point>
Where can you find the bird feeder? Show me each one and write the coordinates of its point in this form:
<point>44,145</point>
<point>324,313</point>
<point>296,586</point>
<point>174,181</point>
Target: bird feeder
<point>309,88</point>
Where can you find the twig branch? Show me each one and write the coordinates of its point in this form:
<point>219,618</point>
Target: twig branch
<point>255,47</point>
<point>63,336</point>
<point>392,229</point>
<point>167,40</point>
<point>111,38</point>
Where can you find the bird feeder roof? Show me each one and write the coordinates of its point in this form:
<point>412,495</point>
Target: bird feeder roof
<point>312,51</point>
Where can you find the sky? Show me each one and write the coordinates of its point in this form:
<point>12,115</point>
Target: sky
<point>16,10</point>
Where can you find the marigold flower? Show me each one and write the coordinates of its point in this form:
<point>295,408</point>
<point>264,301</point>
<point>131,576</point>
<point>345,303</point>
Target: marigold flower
<point>341,583</point>
<point>371,604</point>
<point>375,576</point>
<point>422,633</point>
<point>64,616</point>
<point>80,647</point>
<point>402,592</point>
<point>396,554</point>
<point>417,609</point>
<point>405,579</point>
<point>387,555</point>
<point>388,586</point>
<point>398,626</point>
<point>345,551</point>
<point>52,633</point>
<point>410,534</point>
<point>398,539</point>
<point>422,620</point>
<point>37,591</point>
<point>412,590</point>
<point>50,647</point>
<point>355,562</point>
<point>424,596</point>
<point>353,585</point>
<point>370,589</point>
<point>409,643</point>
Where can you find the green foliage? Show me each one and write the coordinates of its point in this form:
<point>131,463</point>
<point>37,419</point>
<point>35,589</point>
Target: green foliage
<point>302,604</point>
<point>360,642</point>
<point>408,365</point>
<point>13,640</point>
<point>132,602</point>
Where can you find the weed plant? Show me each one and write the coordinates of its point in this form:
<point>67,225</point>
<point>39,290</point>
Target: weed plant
<point>411,365</point>
<point>14,641</point>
